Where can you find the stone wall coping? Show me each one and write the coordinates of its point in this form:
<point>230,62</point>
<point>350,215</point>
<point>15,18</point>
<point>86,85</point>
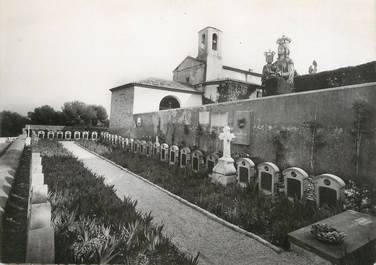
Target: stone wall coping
<point>204,107</point>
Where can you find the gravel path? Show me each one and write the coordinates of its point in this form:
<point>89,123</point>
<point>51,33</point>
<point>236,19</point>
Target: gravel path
<point>190,230</point>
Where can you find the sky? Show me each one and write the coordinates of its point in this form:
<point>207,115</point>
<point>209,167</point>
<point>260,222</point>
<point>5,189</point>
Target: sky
<point>55,51</point>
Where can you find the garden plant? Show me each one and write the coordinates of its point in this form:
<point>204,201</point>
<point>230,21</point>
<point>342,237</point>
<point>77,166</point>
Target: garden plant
<point>92,225</point>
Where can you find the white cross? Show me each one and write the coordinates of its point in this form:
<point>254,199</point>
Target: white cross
<point>226,136</point>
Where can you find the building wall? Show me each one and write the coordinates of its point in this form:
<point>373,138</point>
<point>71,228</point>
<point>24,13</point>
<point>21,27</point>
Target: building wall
<point>192,69</point>
<point>242,77</point>
<point>122,109</point>
<point>148,99</point>
<point>285,119</point>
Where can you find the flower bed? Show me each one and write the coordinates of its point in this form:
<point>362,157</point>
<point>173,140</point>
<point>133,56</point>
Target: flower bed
<point>92,225</point>
<point>270,218</point>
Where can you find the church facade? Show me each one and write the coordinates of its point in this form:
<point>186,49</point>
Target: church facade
<point>196,81</point>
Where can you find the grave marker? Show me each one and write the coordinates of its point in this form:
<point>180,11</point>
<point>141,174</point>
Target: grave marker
<point>76,135</point>
<point>185,156</point>
<point>50,135</point>
<point>245,172</point>
<point>68,135</point>
<point>174,155</point>
<point>211,161</point>
<point>268,177</point>
<point>224,172</point>
<point>164,152</point>
<point>85,135</point>
<point>198,161</point>
<point>149,149</point>
<point>59,135</point>
<point>329,189</point>
<point>41,134</point>
<point>295,180</point>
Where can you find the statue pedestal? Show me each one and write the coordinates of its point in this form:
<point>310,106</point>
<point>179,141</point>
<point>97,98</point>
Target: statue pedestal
<point>224,172</point>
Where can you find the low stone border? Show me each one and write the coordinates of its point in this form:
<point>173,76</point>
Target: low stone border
<point>193,206</point>
<point>40,245</point>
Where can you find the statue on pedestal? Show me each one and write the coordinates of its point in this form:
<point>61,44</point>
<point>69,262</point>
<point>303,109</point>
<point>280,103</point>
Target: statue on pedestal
<point>313,68</point>
<point>284,66</point>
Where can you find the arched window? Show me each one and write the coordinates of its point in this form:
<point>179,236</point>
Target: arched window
<point>215,42</point>
<point>169,102</point>
<point>203,39</point>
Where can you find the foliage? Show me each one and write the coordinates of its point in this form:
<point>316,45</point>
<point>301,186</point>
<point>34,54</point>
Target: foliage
<point>79,113</point>
<point>279,142</point>
<point>15,214</point>
<point>315,143</point>
<point>270,218</point>
<point>46,115</point>
<point>11,123</point>
<point>92,225</point>
<point>232,91</point>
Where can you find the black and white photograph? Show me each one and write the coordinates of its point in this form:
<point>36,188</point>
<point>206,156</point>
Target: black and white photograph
<point>188,132</point>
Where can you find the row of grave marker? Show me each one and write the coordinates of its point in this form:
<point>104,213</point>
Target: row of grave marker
<point>67,135</point>
<point>325,188</point>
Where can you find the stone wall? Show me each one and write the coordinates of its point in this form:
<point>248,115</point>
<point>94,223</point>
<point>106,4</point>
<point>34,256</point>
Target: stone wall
<point>8,166</point>
<point>290,130</point>
<point>121,108</point>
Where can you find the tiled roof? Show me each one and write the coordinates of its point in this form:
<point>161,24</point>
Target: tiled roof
<point>161,84</point>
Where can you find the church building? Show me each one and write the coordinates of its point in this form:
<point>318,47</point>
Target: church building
<point>196,81</point>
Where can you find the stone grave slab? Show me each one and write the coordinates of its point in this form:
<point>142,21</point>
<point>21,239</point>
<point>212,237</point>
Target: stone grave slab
<point>360,230</point>
<point>40,247</point>
<point>37,179</point>
<point>219,119</point>
<point>40,216</point>
<point>164,152</point>
<point>198,162</point>
<point>211,161</point>
<point>203,117</point>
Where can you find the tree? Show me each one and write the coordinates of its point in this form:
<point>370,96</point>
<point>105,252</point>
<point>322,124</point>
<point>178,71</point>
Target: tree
<point>11,123</point>
<point>80,114</point>
<point>46,115</point>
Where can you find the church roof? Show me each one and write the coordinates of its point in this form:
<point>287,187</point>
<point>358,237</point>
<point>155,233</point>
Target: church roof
<point>160,84</point>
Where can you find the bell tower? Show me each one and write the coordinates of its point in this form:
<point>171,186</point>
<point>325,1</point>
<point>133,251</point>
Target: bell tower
<point>210,51</point>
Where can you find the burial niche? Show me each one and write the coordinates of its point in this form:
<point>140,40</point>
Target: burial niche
<point>185,156</point>
<point>174,155</point>
<point>329,189</point>
<point>295,180</point>
<point>164,152</point>
<point>245,171</point>
<point>267,177</point>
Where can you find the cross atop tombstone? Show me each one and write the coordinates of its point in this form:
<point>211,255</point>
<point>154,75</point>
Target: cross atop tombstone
<point>226,136</point>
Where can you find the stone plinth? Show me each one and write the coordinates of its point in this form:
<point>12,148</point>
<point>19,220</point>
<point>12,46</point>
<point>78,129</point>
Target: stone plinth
<point>40,194</point>
<point>224,172</point>
<point>37,179</point>
<point>40,216</point>
<point>41,246</point>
